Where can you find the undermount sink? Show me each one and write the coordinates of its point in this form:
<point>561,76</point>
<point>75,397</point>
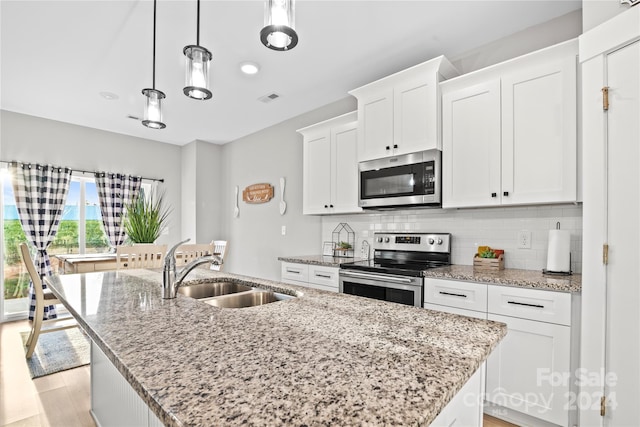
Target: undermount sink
<point>231,294</point>
<point>212,289</point>
<point>247,299</point>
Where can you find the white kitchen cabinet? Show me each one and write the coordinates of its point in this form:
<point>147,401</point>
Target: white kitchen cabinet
<point>530,374</point>
<point>330,166</point>
<point>456,294</point>
<point>400,113</point>
<point>529,371</point>
<point>509,132</point>
<point>465,408</point>
<point>311,276</point>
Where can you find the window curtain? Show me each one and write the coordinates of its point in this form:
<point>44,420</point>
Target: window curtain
<point>40,193</point>
<point>115,191</point>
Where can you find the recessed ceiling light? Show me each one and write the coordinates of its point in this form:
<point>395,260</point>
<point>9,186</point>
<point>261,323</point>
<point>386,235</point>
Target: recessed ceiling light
<point>249,68</point>
<point>109,95</point>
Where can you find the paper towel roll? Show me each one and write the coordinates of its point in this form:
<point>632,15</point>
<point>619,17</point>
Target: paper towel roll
<point>559,253</point>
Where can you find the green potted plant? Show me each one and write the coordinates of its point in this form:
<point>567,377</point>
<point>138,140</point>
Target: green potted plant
<point>146,217</point>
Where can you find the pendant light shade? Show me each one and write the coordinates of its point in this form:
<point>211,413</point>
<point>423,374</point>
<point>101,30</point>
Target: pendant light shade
<point>279,22</point>
<point>153,109</point>
<point>197,67</point>
<point>154,97</point>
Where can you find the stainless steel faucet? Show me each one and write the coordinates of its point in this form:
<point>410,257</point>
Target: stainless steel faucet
<point>172,279</point>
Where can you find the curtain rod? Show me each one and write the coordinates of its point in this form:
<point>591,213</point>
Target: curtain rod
<point>84,171</point>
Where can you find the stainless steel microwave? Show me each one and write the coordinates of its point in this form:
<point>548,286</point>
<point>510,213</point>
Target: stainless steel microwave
<point>410,180</point>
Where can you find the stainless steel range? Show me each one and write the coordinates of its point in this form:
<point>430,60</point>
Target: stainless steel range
<point>396,272</point>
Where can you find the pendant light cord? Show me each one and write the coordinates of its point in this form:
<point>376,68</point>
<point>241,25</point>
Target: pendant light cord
<point>154,45</point>
<point>198,26</point>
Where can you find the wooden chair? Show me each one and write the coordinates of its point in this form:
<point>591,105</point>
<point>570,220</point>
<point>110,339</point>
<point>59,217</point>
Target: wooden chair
<point>188,252</point>
<point>220,249</point>
<point>140,256</point>
<point>44,298</point>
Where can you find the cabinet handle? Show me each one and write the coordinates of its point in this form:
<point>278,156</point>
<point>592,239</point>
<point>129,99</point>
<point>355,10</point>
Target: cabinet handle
<point>525,304</point>
<point>395,145</point>
<point>293,271</point>
<point>330,206</point>
<point>325,206</point>
<point>452,294</point>
<point>388,148</point>
<point>494,194</point>
<point>506,193</point>
<point>323,275</point>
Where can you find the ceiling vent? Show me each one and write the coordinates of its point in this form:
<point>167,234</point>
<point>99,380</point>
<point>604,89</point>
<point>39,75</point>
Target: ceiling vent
<point>269,98</point>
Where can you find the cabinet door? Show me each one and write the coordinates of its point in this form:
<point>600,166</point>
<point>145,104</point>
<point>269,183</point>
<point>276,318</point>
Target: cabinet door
<point>471,146</point>
<point>529,371</point>
<point>375,125</point>
<point>539,157</point>
<point>344,172</point>
<point>414,113</point>
<point>317,173</point>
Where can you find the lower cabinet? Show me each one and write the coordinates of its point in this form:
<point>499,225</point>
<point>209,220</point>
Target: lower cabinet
<point>529,376</point>
<point>311,276</point>
<point>113,401</point>
<point>465,409</point>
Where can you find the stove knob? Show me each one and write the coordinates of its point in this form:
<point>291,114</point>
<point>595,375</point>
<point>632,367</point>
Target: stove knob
<point>439,241</point>
<point>379,239</point>
<point>386,240</point>
<point>431,241</point>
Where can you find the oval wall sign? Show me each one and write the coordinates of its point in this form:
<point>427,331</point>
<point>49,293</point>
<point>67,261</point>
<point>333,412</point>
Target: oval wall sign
<point>257,193</point>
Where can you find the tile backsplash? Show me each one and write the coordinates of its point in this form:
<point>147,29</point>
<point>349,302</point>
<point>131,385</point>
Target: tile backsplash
<point>470,228</point>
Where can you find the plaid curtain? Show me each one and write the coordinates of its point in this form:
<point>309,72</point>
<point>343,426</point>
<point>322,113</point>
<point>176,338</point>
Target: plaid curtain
<point>40,193</point>
<point>115,191</point>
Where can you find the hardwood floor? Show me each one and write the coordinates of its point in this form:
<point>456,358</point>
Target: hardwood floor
<point>58,400</point>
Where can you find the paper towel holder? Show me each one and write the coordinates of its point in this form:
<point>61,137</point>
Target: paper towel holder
<point>559,273</point>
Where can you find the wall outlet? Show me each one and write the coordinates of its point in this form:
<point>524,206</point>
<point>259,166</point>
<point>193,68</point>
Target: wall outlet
<point>524,239</point>
<point>284,230</point>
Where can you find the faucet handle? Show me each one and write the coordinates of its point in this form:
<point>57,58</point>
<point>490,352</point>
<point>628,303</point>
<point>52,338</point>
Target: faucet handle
<point>170,257</point>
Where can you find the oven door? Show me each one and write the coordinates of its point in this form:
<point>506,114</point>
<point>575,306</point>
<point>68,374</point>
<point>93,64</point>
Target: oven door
<point>386,287</point>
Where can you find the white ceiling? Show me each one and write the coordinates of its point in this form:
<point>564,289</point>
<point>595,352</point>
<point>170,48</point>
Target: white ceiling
<point>57,56</point>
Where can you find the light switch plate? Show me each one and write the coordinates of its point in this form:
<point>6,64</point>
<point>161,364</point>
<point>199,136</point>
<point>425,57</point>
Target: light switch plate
<point>284,230</point>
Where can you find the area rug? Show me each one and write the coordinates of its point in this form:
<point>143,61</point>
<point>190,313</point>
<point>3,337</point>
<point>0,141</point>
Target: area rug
<point>58,351</point>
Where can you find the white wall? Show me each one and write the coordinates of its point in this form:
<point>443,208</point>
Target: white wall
<point>201,191</point>
<point>495,227</point>
<point>595,12</point>
<point>255,239</point>
<point>36,140</point>
<point>562,28</point>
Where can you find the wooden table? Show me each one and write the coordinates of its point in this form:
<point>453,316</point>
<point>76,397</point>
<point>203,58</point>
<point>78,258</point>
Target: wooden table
<point>86,263</point>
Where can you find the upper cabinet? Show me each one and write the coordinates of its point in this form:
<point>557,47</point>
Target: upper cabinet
<point>400,114</point>
<point>509,132</point>
<point>330,166</point>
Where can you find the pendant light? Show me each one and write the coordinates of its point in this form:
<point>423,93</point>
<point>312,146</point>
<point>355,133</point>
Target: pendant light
<point>154,97</point>
<point>198,59</point>
<point>279,22</point>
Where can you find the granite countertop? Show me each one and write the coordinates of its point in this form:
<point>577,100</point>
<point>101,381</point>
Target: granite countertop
<point>320,359</point>
<point>326,261</point>
<point>533,279</point>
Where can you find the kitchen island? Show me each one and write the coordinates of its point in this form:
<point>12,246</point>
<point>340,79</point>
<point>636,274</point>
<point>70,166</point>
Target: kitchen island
<point>318,359</point>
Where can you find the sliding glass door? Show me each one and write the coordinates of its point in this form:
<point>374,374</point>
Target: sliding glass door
<point>80,232</point>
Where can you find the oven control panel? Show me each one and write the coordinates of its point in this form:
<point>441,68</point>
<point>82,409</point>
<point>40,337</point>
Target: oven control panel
<point>419,242</point>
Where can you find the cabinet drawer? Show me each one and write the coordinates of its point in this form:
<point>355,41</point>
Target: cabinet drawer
<point>324,276</point>
<point>454,310</point>
<point>465,295</point>
<point>297,272</point>
<point>534,304</point>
